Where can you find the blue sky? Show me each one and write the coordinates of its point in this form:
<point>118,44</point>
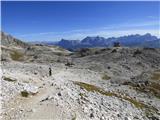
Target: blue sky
<point>51,21</point>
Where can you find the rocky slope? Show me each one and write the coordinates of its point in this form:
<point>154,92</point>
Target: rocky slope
<point>8,40</point>
<point>14,49</point>
<point>97,84</point>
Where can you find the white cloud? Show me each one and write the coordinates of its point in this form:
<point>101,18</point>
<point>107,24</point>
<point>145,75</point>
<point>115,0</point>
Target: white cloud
<point>36,34</point>
<point>132,25</point>
<point>151,17</point>
<point>108,31</point>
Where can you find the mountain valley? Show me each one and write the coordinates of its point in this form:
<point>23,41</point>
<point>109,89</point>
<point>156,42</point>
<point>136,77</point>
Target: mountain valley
<point>48,82</point>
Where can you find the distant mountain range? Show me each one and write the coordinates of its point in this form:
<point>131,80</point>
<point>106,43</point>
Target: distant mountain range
<point>136,40</point>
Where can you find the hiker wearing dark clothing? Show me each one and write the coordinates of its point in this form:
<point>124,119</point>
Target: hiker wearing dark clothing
<point>50,71</point>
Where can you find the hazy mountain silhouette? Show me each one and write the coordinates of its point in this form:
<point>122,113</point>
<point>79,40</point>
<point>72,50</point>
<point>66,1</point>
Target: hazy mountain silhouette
<point>136,40</point>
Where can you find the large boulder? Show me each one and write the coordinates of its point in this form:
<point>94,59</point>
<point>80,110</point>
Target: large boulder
<point>29,90</point>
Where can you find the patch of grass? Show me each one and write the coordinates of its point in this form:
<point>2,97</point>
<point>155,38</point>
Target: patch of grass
<point>155,85</point>
<point>88,87</point>
<point>155,76</point>
<point>106,77</point>
<point>157,70</point>
<point>82,95</point>
<point>148,110</point>
<point>24,93</point>
<point>152,88</point>
<point>9,79</point>
<point>92,88</point>
<point>17,56</point>
<point>74,118</point>
<point>59,53</point>
<point>61,49</point>
<point>136,103</point>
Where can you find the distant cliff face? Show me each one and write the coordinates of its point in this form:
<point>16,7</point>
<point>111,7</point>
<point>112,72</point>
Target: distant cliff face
<point>68,43</point>
<point>94,41</point>
<point>146,40</point>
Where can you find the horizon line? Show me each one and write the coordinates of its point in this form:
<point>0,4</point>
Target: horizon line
<point>76,39</point>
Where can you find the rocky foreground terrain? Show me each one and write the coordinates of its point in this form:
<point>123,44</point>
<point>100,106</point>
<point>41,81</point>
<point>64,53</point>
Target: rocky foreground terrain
<point>98,83</point>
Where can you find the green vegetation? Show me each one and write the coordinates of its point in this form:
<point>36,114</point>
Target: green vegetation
<point>92,88</point>
<point>17,56</point>
<point>74,118</point>
<point>9,79</point>
<point>136,103</point>
<point>61,49</point>
<point>156,76</point>
<point>82,95</point>
<point>24,93</point>
<point>106,77</point>
<point>152,88</point>
<point>59,53</point>
<point>69,64</point>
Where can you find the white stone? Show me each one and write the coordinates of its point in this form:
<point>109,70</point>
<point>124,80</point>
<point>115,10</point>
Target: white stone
<point>31,89</point>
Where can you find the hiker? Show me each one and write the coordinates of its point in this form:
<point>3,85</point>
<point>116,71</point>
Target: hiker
<point>50,71</point>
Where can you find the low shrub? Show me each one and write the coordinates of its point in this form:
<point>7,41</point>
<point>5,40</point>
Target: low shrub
<point>137,52</point>
<point>24,93</point>
<point>9,79</point>
<point>156,76</point>
<point>106,77</point>
<point>74,118</point>
<point>69,64</point>
<point>17,56</point>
